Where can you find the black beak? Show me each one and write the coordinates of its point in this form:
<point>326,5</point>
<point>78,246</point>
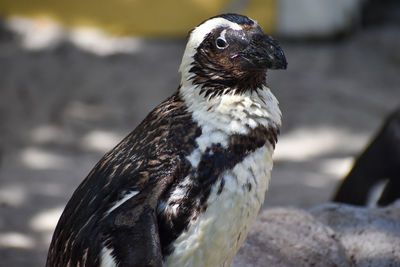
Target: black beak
<point>263,52</point>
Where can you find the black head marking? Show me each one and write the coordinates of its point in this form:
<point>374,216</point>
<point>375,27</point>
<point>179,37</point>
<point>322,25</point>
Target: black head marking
<point>236,18</point>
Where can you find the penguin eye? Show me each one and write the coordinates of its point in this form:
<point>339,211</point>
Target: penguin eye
<point>221,43</point>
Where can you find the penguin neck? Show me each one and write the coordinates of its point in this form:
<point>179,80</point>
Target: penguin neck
<point>232,112</point>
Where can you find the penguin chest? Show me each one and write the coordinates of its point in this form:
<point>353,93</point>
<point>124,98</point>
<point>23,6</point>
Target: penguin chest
<point>214,237</point>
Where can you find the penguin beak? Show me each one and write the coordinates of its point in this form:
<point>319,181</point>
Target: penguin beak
<point>263,52</point>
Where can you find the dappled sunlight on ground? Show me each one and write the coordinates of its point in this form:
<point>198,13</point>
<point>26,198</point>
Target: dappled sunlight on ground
<point>44,222</point>
<point>35,158</point>
<point>40,34</point>
<point>16,240</point>
<point>100,141</point>
<point>14,195</point>
<point>310,143</point>
<point>337,167</point>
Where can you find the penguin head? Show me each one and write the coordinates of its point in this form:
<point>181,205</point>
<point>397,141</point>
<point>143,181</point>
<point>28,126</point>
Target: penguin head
<point>232,52</point>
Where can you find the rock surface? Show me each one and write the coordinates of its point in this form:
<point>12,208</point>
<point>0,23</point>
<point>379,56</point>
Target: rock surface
<point>290,237</point>
<point>371,237</point>
<point>328,235</point>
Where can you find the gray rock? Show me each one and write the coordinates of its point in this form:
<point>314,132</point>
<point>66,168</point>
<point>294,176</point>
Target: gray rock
<point>327,235</point>
<point>371,236</point>
<point>290,237</point>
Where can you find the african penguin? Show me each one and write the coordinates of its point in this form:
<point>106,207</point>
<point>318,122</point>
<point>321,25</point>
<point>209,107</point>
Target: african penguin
<point>374,179</point>
<point>184,187</point>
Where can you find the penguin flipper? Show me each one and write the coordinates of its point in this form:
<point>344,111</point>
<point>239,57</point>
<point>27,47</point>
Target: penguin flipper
<point>132,233</point>
<point>135,239</point>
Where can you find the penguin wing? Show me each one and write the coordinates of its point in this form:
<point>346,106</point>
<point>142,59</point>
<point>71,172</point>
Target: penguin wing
<point>131,230</point>
<point>111,217</point>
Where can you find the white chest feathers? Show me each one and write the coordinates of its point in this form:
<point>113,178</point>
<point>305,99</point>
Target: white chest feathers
<point>231,113</point>
<point>214,238</point>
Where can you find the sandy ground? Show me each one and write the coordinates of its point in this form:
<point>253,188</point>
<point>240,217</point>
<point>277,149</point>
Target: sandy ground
<point>62,108</point>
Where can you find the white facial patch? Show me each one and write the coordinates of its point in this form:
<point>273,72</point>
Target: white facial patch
<point>198,35</point>
<point>223,33</point>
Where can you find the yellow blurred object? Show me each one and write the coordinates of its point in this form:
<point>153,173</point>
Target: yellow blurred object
<point>158,18</point>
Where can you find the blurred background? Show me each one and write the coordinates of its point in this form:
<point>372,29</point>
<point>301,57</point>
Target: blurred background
<point>77,76</point>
